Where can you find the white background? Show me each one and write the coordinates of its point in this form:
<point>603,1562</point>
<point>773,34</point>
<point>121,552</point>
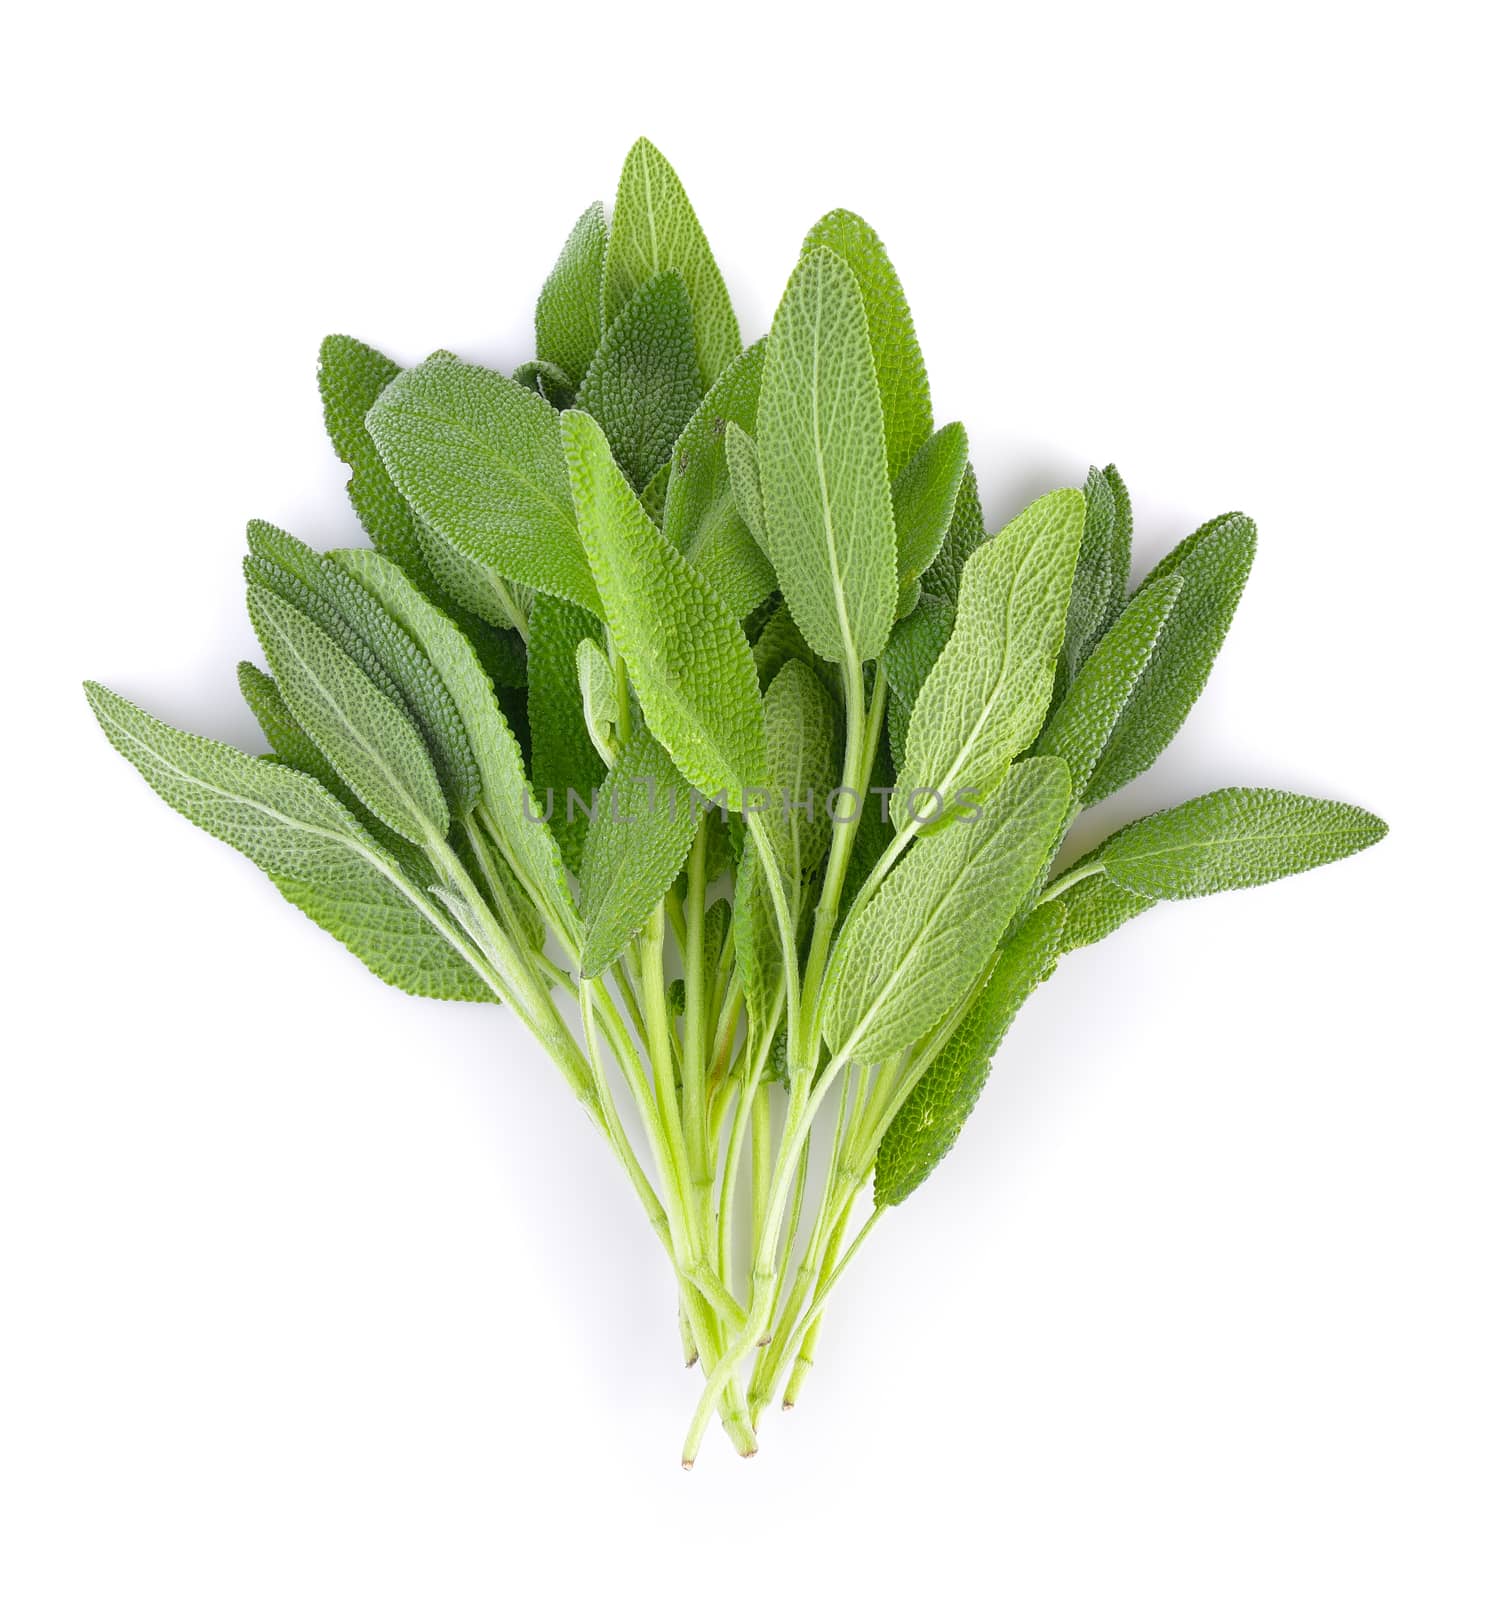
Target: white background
<point>310,1289</point>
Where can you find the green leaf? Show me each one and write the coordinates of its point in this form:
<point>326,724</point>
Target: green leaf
<point>419,685</point>
<point>568,315</point>
<point>562,756</point>
<point>944,575</point>
<point>1213,565</point>
<point>903,387</point>
<point>688,659</point>
<point>927,1124</point>
<point>656,230</point>
<point>643,384</point>
<point>529,847</point>
<point>600,697</point>
<point>479,458</point>
<point>702,516</point>
<point>549,382</point>
<point>459,577</point>
<point>700,495</point>
<point>635,848</point>
<point>315,852</point>
<point>1101,569</point>
<point>921,941</point>
<point>828,514</point>
<point>1083,723</point>
<point>1096,907</point>
<point>756,943</point>
<point>986,697</point>
<point>292,745</point>
<point>351,377</point>
<point>1233,839</point>
<point>800,724</point>
<point>369,740</point>
<point>925,496</point>
<point>748,489</point>
<point>915,645</point>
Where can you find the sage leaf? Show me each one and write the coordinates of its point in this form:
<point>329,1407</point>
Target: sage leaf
<point>1233,839</point>
<point>529,847</point>
<point>915,645</point>
<point>314,851</point>
<point>1212,565</point>
<point>656,230</point>
<point>688,659</point>
<point>925,495</point>
<point>1082,724</point>
<point>800,722</point>
<point>635,848</point>
<point>569,312</point>
<point>944,575</point>
<point>479,458</point>
<point>903,387</point>
<point>600,697</point>
<point>643,384</point>
<point>1096,907</point>
<point>986,697</point>
<point>748,491</point>
<point>927,933</point>
<point>828,514</point>
<point>927,1124</point>
<point>566,768</point>
<point>369,740</point>
<point>1101,568</point>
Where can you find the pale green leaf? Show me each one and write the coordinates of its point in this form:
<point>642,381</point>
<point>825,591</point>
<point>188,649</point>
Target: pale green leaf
<point>643,384</point>
<point>314,850</point>
<point>800,724</point>
<point>568,315</point>
<point>635,848</point>
<point>924,937</point>
<point>1096,907</point>
<point>903,386</point>
<point>828,514</point>
<point>1101,569</point>
<point>510,806</point>
<point>1213,565</point>
<point>688,659</point>
<point>927,1124</point>
<point>925,496</point>
<point>748,491</point>
<point>369,740</point>
<point>656,230</point>
<point>986,697</point>
<point>479,458</point>
<point>600,697</point>
<point>700,495</point>
<point>1233,839</point>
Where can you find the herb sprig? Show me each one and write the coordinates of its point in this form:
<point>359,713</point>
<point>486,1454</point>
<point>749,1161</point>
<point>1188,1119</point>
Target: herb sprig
<point>685,705</point>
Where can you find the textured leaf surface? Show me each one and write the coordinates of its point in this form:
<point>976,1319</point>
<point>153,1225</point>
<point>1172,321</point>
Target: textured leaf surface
<point>1233,839</point>
<point>504,788</point>
<point>986,697</point>
<point>351,377</point>
<point>1096,907</point>
<point>828,514</point>
<point>369,740</point>
<point>1213,565</point>
<point>479,458</point>
<point>748,490</point>
<point>914,648</point>
<point>944,575</point>
<point>643,384</point>
<point>600,697</point>
<point>928,932</point>
<point>569,312</point>
<point>635,848</point>
<point>927,1124</point>
<point>925,495</point>
<point>700,493</point>
<point>800,724</point>
<point>562,756</point>
<point>1083,723</point>
<point>903,387</point>
<point>655,230</point>
<point>688,659</point>
<point>1101,568</point>
<point>313,849</point>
